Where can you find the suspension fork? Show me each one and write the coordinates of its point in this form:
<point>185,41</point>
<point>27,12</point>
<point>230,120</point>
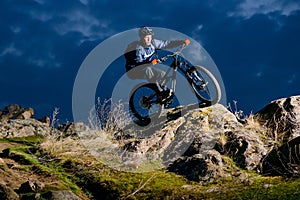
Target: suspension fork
<point>173,85</point>
<point>174,66</point>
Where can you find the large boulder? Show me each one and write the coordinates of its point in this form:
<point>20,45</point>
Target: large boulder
<point>201,167</point>
<point>283,160</point>
<point>243,146</point>
<point>217,128</point>
<point>200,130</point>
<point>281,118</point>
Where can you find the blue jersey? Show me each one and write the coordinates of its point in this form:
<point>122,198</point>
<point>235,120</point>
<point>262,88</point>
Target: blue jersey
<point>138,54</point>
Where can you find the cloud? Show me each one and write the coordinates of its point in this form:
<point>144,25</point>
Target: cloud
<point>40,1</point>
<point>48,61</point>
<point>292,79</point>
<point>11,50</point>
<point>40,15</point>
<point>249,8</point>
<point>79,20</point>
<point>15,29</point>
<point>84,2</point>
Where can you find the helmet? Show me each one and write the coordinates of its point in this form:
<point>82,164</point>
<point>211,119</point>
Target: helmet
<point>145,31</point>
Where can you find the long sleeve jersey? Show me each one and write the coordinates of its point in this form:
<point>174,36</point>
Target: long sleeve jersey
<point>138,54</point>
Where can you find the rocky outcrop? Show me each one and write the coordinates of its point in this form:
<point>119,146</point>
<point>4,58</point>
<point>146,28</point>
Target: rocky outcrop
<point>216,133</point>
<point>211,133</point>
<point>281,118</point>
<point>23,128</point>
<point>283,160</point>
<point>16,121</point>
<point>15,111</point>
<point>197,143</point>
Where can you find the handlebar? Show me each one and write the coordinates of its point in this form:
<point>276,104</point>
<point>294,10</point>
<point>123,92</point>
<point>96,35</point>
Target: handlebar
<point>178,51</point>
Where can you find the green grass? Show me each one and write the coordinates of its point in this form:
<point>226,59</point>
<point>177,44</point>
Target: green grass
<point>162,184</point>
<point>83,174</point>
<point>29,161</point>
<point>30,140</point>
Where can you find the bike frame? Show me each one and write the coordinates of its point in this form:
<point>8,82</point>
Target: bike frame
<point>175,65</point>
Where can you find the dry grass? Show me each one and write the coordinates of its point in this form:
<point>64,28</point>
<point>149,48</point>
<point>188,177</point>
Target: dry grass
<point>109,116</point>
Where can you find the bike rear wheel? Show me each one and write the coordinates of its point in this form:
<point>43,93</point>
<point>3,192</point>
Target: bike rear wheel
<point>143,102</point>
<point>206,86</point>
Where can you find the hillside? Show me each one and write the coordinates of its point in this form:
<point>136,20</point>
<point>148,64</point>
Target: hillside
<point>197,153</point>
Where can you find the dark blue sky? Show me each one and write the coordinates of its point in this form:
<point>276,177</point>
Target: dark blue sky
<point>254,43</point>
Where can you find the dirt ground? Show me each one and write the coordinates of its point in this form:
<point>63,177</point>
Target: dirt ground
<point>13,174</point>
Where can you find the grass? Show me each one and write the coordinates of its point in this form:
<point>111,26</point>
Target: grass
<point>103,182</point>
<point>84,174</point>
<point>29,161</point>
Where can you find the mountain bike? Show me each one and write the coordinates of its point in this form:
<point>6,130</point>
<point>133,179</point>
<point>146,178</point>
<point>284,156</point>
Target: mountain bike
<point>146,99</point>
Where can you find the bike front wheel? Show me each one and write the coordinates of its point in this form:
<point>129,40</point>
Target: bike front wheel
<point>205,86</point>
<point>143,102</point>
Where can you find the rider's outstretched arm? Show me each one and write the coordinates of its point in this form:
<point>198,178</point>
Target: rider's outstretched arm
<point>168,44</point>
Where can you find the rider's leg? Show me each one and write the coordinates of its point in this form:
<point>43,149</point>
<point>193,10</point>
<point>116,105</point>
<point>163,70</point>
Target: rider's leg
<point>154,75</point>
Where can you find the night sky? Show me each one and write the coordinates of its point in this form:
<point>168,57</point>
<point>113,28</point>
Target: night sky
<point>254,43</point>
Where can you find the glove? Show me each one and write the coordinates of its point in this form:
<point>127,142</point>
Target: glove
<point>186,42</point>
<point>154,61</point>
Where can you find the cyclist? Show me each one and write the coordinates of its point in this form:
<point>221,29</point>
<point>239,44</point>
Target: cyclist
<point>140,54</point>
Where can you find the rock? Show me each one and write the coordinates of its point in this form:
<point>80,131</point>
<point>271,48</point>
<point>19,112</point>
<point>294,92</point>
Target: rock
<point>29,187</point>
<point>60,195</point>
<point>7,193</point>
<point>24,128</point>
<point>157,142</point>
<point>282,119</point>
<point>199,167</point>
<point>283,161</point>
<point>193,168</point>
<point>46,120</point>
<point>25,114</point>
<point>15,111</point>
<point>72,129</point>
<point>216,132</point>
<point>200,131</point>
<point>243,146</point>
<point>216,128</point>
<point>149,148</point>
